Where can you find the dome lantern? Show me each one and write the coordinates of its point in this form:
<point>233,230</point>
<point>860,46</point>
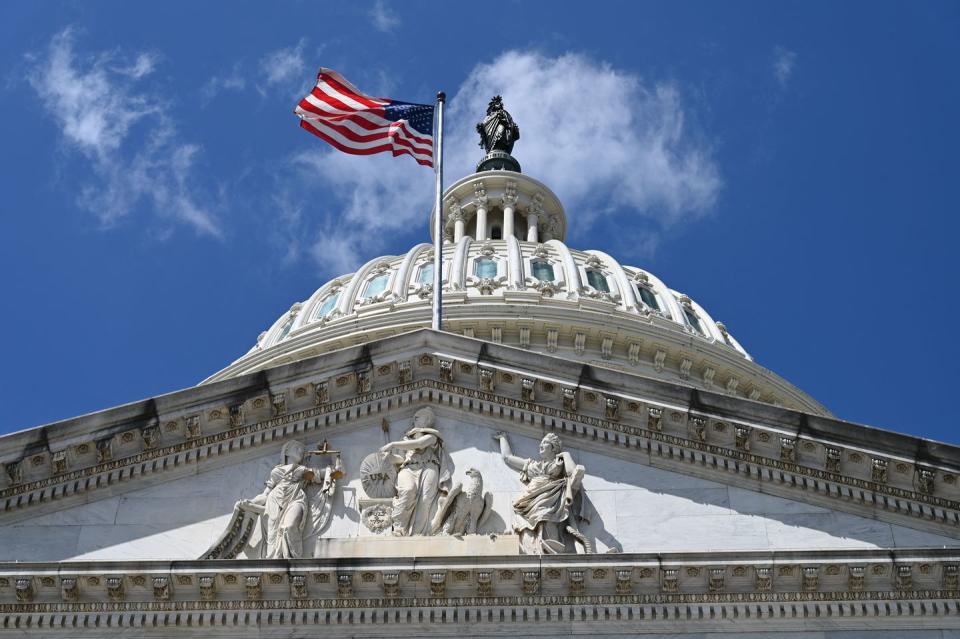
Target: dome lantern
<point>494,205</point>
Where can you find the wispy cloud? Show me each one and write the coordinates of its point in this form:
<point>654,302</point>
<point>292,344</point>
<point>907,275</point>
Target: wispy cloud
<point>612,146</point>
<point>383,17</point>
<point>143,65</point>
<point>282,71</point>
<point>284,68</point>
<point>784,61</point>
<point>231,81</point>
<point>125,132</point>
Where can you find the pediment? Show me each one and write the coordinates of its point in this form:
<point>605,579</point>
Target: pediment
<point>630,506</point>
<point>667,468</point>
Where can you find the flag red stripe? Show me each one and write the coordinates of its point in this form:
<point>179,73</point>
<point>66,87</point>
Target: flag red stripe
<point>308,126</point>
<point>356,95</point>
<point>395,131</point>
<point>395,135</point>
<point>343,124</point>
<point>345,139</point>
<point>375,116</point>
<point>319,94</point>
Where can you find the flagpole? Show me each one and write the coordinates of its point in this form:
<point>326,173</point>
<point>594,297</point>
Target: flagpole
<point>438,220</point>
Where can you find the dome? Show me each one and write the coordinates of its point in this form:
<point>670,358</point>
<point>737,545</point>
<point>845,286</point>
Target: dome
<point>508,277</point>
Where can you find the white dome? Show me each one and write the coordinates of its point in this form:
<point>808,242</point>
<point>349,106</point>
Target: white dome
<point>542,296</point>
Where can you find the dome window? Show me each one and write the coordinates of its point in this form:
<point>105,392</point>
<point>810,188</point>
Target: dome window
<point>284,331</point>
<point>598,281</point>
<point>485,267</point>
<point>328,305</point>
<point>543,270</point>
<point>425,276</point>
<point>648,297</point>
<point>376,286</point>
<point>496,232</point>
<point>692,320</point>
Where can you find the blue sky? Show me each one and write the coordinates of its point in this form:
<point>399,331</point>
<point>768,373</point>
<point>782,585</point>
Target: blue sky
<point>791,166</point>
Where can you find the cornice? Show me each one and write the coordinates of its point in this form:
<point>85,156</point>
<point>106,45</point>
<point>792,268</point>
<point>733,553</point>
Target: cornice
<point>908,588</point>
<point>581,330</point>
<point>811,459</point>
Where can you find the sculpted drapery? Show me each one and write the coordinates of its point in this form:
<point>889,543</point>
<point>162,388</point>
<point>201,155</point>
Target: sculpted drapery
<point>548,513</point>
<point>498,131</point>
<point>294,507</point>
<point>424,472</point>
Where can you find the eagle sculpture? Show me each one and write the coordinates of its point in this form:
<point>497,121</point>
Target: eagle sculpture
<point>465,508</point>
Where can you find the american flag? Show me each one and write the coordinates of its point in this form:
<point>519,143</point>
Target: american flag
<point>356,123</point>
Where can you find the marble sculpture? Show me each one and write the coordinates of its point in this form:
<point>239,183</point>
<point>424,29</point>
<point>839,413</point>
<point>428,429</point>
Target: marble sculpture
<point>548,513</point>
<point>465,509</point>
<point>293,509</point>
<point>424,472</point>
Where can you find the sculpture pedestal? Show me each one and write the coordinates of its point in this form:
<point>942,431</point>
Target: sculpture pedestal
<point>498,161</point>
<point>441,546</point>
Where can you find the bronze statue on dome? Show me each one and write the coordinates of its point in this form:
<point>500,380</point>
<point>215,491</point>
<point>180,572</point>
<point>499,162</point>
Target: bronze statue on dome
<point>498,132</point>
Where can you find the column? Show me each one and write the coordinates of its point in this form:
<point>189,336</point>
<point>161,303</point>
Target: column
<point>532,219</point>
<point>509,201</point>
<point>456,214</point>
<point>481,222</point>
<point>507,220</point>
<point>480,197</point>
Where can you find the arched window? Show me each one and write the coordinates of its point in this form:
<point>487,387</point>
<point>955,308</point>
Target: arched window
<point>284,331</point>
<point>496,233</point>
<point>648,297</point>
<point>542,270</point>
<point>692,319</point>
<point>597,280</point>
<point>425,276</point>
<point>485,267</point>
<point>328,305</point>
<point>376,286</point>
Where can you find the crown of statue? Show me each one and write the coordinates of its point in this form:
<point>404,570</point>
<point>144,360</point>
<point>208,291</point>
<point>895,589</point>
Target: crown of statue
<point>496,103</point>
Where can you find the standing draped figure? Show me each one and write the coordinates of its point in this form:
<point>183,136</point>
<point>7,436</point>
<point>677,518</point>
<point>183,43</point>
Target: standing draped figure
<point>498,131</point>
<point>424,472</point>
<point>294,508</point>
<point>548,513</point>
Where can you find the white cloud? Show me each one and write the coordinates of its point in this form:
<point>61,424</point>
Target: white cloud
<point>284,68</point>
<point>612,147</point>
<point>232,81</point>
<point>143,65</point>
<point>605,141</point>
<point>282,72</point>
<point>384,19</point>
<point>784,61</point>
<point>126,133</point>
<point>378,196</point>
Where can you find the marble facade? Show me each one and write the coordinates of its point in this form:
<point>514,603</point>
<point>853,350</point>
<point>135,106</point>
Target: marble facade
<point>693,535</point>
<point>636,509</point>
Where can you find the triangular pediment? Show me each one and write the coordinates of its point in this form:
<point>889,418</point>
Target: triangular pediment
<point>630,506</point>
<point>667,468</point>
